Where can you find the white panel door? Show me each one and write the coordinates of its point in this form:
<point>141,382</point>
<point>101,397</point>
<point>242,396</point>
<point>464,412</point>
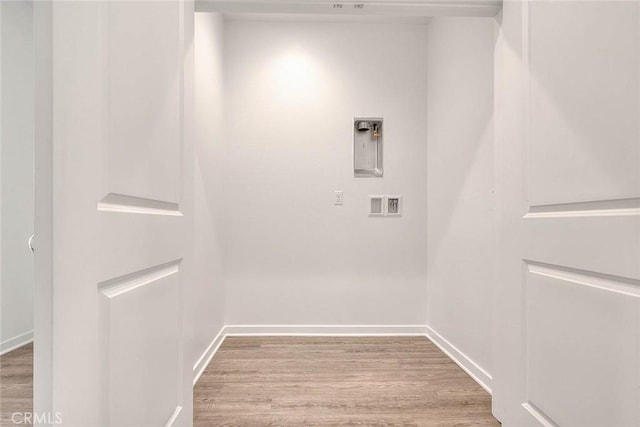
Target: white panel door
<point>568,299</point>
<point>121,189</point>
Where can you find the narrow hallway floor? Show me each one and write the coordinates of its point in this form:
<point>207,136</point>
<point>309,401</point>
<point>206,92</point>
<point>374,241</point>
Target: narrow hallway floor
<point>313,381</point>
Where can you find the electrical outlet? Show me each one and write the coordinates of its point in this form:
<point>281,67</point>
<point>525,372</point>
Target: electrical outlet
<point>394,206</point>
<point>338,198</point>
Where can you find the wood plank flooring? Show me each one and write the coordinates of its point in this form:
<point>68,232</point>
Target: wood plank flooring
<point>310,381</point>
<point>16,383</point>
<point>322,381</point>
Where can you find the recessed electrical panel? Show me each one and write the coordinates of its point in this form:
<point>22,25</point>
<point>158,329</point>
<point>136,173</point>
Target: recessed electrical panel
<point>376,205</point>
<point>367,147</point>
<point>385,205</point>
<point>394,205</point>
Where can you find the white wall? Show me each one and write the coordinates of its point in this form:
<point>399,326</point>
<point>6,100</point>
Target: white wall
<point>460,186</point>
<point>209,187</point>
<point>293,89</point>
<point>16,288</point>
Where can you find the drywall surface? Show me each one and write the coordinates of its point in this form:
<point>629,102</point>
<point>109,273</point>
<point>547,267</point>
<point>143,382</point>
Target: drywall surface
<point>16,291</point>
<point>460,184</point>
<point>208,306</point>
<point>292,91</point>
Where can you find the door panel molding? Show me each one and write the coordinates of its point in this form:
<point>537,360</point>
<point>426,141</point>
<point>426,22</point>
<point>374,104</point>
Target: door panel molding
<point>143,128</point>
<point>629,287</point>
<point>581,106</point>
<point>137,205</point>
<point>172,419</point>
<point>614,207</point>
<point>141,347</point>
<point>120,285</point>
<point>580,338</point>
<point>539,415</point>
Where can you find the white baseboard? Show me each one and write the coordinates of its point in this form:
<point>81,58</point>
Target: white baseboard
<point>482,377</point>
<point>325,330</point>
<point>16,342</point>
<point>205,358</point>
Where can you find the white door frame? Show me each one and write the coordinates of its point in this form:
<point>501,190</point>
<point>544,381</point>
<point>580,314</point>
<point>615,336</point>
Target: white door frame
<point>43,292</point>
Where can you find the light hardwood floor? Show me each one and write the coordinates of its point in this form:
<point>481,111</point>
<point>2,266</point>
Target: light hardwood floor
<point>320,381</point>
<point>311,381</point>
<point>16,383</point>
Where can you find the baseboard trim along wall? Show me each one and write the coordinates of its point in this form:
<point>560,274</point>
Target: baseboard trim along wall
<point>482,377</point>
<point>469,366</point>
<point>208,354</point>
<point>16,342</point>
<point>325,330</point>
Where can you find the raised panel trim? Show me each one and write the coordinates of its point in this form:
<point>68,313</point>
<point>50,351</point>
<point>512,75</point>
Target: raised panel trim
<point>122,203</point>
<point>172,419</point>
<point>139,204</point>
<point>539,415</point>
<point>625,286</point>
<point>620,285</point>
<point>114,288</point>
<point>615,207</point>
<point>123,284</point>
